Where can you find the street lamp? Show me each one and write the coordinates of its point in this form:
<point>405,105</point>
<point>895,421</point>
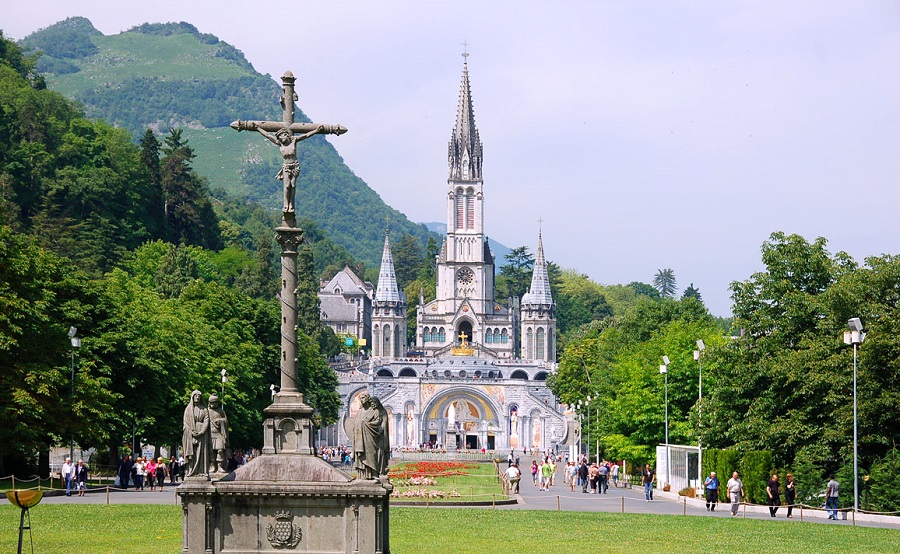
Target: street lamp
<point>664,369</point>
<point>697,356</point>
<point>587,450</point>
<point>76,343</point>
<point>855,336</point>
<point>224,380</point>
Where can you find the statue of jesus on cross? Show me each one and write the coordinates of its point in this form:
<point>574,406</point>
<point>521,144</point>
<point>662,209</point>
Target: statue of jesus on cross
<point>284,135</point>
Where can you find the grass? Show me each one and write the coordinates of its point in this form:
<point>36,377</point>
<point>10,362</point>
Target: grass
<point>479,483</point>
<point>100,529</point>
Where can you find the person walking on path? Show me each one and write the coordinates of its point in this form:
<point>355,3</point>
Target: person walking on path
<point>513,475</point>
<point>774,493</point>
<point>736,490</point>
<point>790,493</point>
<point>80,477</point>
<point>647,479</point>
<point>711,485</point>
<point>68,474</point>
<point>831,497</point>
<point>534,473</point>
<point>614,473</point>
<point>160,473</point>
<point>583,474</point>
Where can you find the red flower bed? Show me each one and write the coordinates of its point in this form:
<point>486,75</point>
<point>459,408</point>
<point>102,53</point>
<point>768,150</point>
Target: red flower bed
<point>430,469</point>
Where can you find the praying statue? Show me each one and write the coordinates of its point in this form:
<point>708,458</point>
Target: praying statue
<point>218,431</point>
<point>195,437</point>
<point>371,443</point>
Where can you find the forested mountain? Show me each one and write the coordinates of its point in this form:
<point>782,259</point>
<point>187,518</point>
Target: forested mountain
<point>124,242</point>
<point>171,75</point>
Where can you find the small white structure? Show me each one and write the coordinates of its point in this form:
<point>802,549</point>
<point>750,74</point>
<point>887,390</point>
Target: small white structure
<point>682,469</point>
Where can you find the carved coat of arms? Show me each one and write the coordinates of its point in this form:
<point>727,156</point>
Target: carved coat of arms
<point>282,532</point>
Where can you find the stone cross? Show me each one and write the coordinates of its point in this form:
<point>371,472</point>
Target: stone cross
<point>286,134</point>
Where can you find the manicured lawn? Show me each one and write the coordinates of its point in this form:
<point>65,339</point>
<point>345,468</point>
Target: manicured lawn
<point>66,528</point>
<point>446,481</point>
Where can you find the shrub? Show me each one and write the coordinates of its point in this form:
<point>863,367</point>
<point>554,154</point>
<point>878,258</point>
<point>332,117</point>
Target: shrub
<point>689,492</point>
<point>756,468</point>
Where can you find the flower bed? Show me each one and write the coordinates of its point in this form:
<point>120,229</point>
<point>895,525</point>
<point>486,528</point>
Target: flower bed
<point>430,469</point>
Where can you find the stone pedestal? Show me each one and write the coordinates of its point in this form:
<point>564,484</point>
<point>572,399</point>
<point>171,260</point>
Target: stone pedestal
<point>285,503</point>
<point>287,499</point>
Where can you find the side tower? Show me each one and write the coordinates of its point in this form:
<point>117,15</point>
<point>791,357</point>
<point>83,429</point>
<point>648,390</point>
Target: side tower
<point>388,310</point>
<point>538,313</point>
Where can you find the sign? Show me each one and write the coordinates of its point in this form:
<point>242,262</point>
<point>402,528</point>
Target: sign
<point>362,342</point>
<point>348,341</point>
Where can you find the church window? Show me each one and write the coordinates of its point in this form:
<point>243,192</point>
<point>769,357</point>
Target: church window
<point>540,344</point>
<point>376,344</point>
<point>504,337</point>
<point>529,344</point>
<point>489,336</point>
<point>442,336</point>
<point>426,336</point>
<point>460,209</point>
<point>470,209</point>
<point>387,340</point>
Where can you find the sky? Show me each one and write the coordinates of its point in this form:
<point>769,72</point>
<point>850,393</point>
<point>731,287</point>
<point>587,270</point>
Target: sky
<point>645,135</point>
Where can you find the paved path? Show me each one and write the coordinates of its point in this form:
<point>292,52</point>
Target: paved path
<point>632,501</point>
<point>559,497</point>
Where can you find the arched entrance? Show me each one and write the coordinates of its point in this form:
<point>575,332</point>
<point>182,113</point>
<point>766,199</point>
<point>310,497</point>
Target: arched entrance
<point>465,326</point>
<point>462,419</point>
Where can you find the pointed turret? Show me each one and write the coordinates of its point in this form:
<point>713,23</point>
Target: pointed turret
<point>538,313</point>
<point>465,155</point>
<point>387,290</point>
<point>539,293</point>
<point>388,310</point>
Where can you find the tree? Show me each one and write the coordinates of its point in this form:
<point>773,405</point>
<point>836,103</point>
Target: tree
<point>692,292</point>
<point>515,275</point>
<point>664,282</point>
<point>187,210</point>
<point>408,259</point>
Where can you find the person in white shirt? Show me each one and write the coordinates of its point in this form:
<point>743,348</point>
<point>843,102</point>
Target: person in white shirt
<point>68,474</point>
<point>513,475</point>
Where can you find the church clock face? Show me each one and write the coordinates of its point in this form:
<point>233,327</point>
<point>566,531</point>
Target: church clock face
<point>465,276</point>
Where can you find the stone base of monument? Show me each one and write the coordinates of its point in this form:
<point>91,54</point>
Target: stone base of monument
<point>285,502</point>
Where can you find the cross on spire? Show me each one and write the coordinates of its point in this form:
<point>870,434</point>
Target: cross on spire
<point>465,46</point>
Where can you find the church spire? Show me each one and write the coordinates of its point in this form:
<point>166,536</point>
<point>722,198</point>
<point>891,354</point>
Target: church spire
<point>465,154</point>
<point>387,290</point>
<point>539,293</point>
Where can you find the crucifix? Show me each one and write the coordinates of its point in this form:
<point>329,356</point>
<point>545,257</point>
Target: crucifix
<point>288,403</point>
<point>285,135</point>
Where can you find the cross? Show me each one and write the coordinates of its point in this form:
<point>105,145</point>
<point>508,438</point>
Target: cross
<point>462,337</point>
<point>465,46</point>
<point>284,135</point>
<point>540,224</point>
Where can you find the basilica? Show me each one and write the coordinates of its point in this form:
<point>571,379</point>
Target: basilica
<point>476,376</point>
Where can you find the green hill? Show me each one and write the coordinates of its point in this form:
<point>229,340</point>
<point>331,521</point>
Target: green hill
<point>172,75</point>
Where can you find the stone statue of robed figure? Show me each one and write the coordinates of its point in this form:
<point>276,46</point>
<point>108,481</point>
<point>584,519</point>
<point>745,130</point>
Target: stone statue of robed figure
<point>371,442</point>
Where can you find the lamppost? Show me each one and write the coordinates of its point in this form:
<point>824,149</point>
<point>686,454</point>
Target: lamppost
<point>587,450</point>
<point>224,380</point>
<point>664,369</point>
<point>76,343</point>
<point>855,336</point>
<point>698,356</point>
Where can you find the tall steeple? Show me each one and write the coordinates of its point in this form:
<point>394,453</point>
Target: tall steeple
<point>465,155</point>
<point>387,290</point>
<point>539,293</point>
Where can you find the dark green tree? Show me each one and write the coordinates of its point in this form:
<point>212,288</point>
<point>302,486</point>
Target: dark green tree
<point>515,275</point>
<point>692,292</point>
<point>186,206</point>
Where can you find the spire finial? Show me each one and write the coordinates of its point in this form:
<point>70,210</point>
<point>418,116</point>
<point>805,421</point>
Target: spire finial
<point>465,53</point>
